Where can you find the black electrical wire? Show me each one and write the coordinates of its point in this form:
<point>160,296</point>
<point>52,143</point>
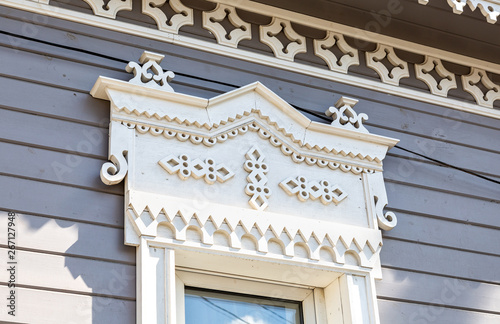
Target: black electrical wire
<point>223,310</point>
<point>308,111</point>
<point>448,165</point>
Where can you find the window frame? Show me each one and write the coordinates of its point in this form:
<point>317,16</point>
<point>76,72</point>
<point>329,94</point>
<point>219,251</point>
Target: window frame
<point>226,282</point>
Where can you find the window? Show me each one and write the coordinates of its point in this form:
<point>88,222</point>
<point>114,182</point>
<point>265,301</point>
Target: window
<point>222,298</point>
<point>209,306</point>
<point>212,217</point>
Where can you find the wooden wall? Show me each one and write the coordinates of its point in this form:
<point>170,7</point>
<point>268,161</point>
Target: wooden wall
<point>440,264</point>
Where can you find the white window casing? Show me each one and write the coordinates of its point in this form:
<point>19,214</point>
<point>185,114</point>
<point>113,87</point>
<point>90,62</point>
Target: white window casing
<point>243,193</point>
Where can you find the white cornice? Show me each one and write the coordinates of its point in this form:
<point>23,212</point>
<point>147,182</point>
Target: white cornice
<point>164,109</point>
<point>482,108</point>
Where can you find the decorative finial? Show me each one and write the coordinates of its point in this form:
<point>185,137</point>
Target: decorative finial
<point>344,116</point>
<point>150,74</point>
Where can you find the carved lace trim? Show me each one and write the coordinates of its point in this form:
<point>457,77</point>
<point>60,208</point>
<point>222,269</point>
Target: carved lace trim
<point>264,134</point>
<point>319,245</point>
<point>489,8</point>
<point>384,61</point>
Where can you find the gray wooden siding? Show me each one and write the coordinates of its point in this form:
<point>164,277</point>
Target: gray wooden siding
<point>440,264</point>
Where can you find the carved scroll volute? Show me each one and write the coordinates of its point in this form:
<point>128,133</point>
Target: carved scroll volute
<point>120,143</point>
<point>110,9</point>
<point>377,200</point>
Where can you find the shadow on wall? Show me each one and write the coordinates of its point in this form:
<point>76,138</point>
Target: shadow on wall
<point>70,272</point>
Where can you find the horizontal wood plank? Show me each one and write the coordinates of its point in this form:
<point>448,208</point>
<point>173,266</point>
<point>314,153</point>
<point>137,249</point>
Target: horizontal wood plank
<point>72,274</point>
<point>70,105</point>
<point>41,307</point>
<point>51,133</point>
<point>72,238</point>
<point>408,286</point>
<point>402,312</point>
<point>53,166</point>
<point>445,233</point>
<point>440,261</point>
<point>430,175</point>
<point>38,198</point>
<point>435,203</point>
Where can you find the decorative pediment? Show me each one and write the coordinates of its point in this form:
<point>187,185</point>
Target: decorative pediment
<point>244,171</point>
<point>245,185</point>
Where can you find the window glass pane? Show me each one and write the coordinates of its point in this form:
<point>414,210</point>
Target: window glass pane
<point>214,307</point>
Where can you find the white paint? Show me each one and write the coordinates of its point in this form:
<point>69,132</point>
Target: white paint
<point>177,221</point>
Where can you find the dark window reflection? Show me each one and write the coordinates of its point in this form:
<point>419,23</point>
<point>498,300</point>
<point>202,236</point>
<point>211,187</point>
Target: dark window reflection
<point>214,307</point>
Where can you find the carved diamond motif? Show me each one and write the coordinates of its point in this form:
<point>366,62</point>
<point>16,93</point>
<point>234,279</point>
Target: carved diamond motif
<point>257,180</point>
<point>287,52</point>
<point>374,60</point>
<point>437,87</point>
<point>489,8</point>
<point>304,190</point>
<point>110,8</point>
<point>338,64</point>
<point>473,82</point>
<point>182,15</point>
<point>185,168</point>
<point>212,21</point>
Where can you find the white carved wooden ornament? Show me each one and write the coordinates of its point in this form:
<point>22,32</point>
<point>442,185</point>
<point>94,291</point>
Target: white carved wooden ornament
<point>183,15</point>
<point>437,87</point>
<point>470,83</point>
<point>265,167</point>
<point>211,21</point>
<point>339,64</point>
<point>171,15</point>
<point>297,43</point>
<point>110,8</point>
<point>396,73</point>
<point>489,8</point>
